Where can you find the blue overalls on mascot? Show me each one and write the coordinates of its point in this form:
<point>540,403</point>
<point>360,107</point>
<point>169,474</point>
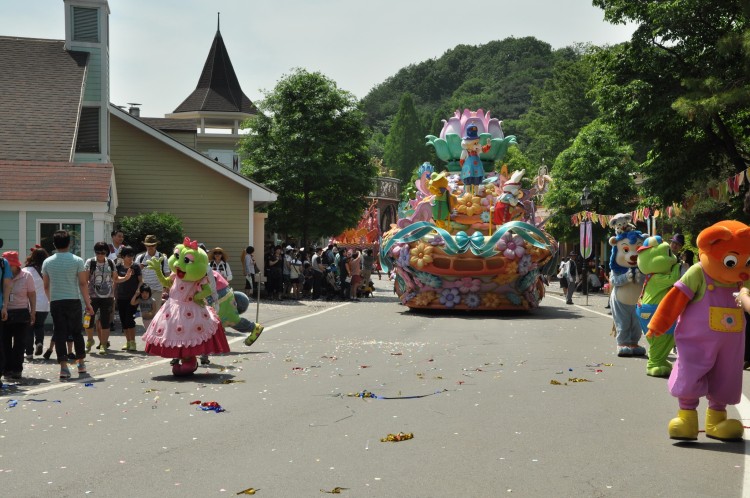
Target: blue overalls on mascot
<point>710,332</point>
<point>627,282</point>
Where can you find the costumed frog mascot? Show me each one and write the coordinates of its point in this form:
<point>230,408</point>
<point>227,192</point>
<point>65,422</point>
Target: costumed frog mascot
<point>185,327</point>
<point>710,332</point>
<point>662,269</point>
<point>231,306</point>
<point>627,283</point>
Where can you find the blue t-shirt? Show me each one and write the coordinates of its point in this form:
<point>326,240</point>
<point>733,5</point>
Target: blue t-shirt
<point>6,274</point>
<point>62,269</point>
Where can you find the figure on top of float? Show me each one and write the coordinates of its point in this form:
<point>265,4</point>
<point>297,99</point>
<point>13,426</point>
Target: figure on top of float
<point>511,196</point>
<point>472,170</point>
<point>443,201</point>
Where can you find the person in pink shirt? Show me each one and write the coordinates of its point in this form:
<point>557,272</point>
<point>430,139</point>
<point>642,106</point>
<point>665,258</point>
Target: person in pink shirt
<point>21,306</point>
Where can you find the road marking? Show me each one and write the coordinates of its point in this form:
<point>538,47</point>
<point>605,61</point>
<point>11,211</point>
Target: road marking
<point>605,315</point>
<point>62,385</point>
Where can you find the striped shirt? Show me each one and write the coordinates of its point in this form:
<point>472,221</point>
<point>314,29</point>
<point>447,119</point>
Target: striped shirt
<point>62,269</point>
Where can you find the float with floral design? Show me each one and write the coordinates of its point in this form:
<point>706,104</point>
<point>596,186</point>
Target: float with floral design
<point>476,246</point>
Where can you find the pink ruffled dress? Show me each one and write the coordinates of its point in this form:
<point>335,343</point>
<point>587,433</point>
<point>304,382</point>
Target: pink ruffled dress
<point>182,328</point>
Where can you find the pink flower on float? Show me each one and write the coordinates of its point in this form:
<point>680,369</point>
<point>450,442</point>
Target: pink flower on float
<point>512,246</point>
<point>468,284</point>
<point>485,124</point>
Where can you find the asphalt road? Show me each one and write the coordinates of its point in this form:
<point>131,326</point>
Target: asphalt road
<point>522,404</point>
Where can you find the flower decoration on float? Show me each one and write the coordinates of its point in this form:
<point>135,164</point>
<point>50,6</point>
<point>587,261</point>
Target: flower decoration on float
<point>511,245</point>
<point>421,255</point>
<point>448,144</point>
<point>469,204</point>
<point>450,297</point>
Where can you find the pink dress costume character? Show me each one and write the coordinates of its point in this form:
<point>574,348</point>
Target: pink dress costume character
<point>185,327</point>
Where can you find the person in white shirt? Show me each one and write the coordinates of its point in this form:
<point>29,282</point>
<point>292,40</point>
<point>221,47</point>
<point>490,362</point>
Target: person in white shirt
<point>149,276</point>
<point>217,260</point>
<point>35,334</point>
<point>118,239</point>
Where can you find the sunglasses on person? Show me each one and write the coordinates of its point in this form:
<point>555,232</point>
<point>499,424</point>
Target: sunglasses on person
<point>101,252</point>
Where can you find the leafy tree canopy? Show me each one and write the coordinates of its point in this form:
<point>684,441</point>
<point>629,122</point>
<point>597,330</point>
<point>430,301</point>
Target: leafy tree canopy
<point>497,76</point>
<point>596,159</point>
<point>309,144</point>
<point>167,228</point>
<point>405,145</point>
<point>679,89</point>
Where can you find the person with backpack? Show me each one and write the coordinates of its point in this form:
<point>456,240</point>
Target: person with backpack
<point>102,276</point>
<point>149,276</point>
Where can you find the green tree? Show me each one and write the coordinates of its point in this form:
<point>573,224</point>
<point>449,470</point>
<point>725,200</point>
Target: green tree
<point>560,107</point>
<point>167,228</point>
<point>309,144</point>
<point>679,89</point>
<point>405,145</point>
<point>596,159</point>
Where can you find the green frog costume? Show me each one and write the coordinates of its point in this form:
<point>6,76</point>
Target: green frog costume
<point>662,270</point>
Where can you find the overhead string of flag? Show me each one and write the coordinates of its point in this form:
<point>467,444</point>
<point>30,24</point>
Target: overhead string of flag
<point>722,192</point>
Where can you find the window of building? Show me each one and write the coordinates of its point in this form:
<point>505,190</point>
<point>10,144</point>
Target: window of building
<point>48,228</point>
<point>85,24</point>
<point>88,131</point>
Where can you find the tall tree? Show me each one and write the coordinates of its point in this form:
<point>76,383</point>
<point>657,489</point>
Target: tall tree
<point>309,144</point>
<point>679,87</point>
<point>405,145</point>
<point>560,107</point>
<point>596,159</point>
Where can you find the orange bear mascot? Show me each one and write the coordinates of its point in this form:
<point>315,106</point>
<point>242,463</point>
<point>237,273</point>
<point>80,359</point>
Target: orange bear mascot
<point>710,332</point>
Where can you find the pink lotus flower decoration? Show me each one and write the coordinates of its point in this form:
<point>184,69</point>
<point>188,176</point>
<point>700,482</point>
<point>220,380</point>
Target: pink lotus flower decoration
<point>457,124</point>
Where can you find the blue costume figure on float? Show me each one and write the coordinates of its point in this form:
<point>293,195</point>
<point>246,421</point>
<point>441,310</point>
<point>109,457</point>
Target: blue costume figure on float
<point>472,170</point>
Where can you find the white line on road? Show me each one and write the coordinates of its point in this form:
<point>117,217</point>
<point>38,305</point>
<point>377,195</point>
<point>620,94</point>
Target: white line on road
<point>150,364</point>
<point>582,307</point>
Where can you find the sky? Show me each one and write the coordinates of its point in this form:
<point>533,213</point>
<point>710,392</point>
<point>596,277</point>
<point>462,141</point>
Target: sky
<point>158,47</point>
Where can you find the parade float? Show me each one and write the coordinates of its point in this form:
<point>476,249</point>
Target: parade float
<point>471,238</point>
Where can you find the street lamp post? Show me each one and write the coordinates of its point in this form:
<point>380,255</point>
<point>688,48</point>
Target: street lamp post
<point>585,203</point>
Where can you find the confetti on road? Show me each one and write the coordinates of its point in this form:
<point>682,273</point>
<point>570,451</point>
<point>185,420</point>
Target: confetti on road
<point>395,438</point>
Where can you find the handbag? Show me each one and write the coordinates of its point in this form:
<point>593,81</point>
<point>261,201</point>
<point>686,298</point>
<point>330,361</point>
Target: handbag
<point>348,280</point>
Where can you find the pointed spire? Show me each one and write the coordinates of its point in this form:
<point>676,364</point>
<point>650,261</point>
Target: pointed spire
<point>218,22</point>
<point>218,87</point>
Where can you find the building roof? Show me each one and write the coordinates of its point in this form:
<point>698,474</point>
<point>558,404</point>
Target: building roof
<point>55,181</point>
<point>170,124</point>
<point>218,88</point>
<point>42,87</point>
<point>261,194</point>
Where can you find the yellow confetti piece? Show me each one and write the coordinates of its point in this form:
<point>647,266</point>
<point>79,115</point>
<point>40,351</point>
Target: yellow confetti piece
<point>394,438</point>
<point>556,382</point>
<point>232,381</point>
<point>577,379</point>
<point>335,491</point>
<point>150,391</point>
<point>248,491</point>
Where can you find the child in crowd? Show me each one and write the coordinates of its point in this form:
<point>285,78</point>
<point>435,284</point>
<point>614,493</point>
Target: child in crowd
<point>145,303</point>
